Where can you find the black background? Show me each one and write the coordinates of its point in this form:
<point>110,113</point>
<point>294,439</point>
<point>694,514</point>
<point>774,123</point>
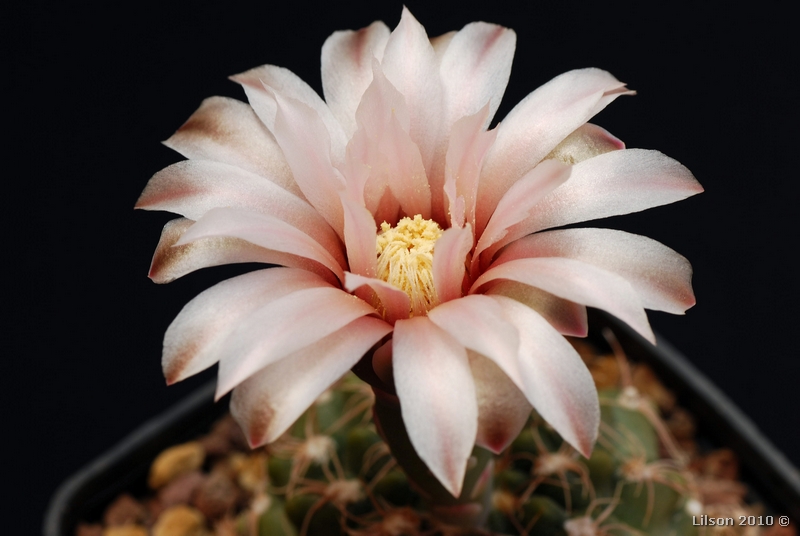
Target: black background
<point>94,90</point>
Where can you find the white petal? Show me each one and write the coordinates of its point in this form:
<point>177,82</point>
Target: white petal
<point>395,303</point>
<point>265,231</point>
<point>449,262</point>
<point>437,398</point>
<point>171,262</point>
<point>190,341</point>
<point>282,327</point>
<point>578,282</point>
<point>614,183</point>
<point>503,409</point>
<point>193,187</point>
<point>660,276</point>
<point>477,323</point>
<point>518,203</point>
<point>538,124</point>
<point>569,318</point>
<point>466,150</point>
<point>410,64</point>
<point>475,69</point>
<point>228,131</point>
<point>347,69</point>
<point>285,82</point>
<point>267,403</point>
<point>584,143</point>
<point>306,145</point>
<point>557,382</point>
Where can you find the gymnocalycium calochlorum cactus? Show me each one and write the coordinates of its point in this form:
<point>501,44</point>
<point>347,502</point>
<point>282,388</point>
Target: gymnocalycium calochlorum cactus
<point>409,232</point>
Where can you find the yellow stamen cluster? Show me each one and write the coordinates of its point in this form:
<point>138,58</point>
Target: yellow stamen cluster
<point>405,259</point>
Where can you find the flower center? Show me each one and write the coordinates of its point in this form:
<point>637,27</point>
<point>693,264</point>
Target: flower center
<point>405,259</point>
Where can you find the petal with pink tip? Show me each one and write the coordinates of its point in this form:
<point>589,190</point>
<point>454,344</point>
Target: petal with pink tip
<point>537,125</point>
<point>586,142</point>
<point>449,262</point>
<point>477,323</point>
<point>517,204</point>
<point>171,262</point>
<point>615,183</point>
<point>503,409</point>
<point>660,276</point>
<point>395,303</point>
<point>228,131</point>
<point>569,318</point>
<point>282,327</point>
<point>467,148</point>
<point>265,231</point>
<point>267,403</point>
<point>557,382</point>
<point>410,64</point>
<point>578,282</point>
<point>347,69</point>
<point>285,82</point>
<point>306,145</point>
<point>193,187</point>
<point>437,398</point>
<point>191,341</point>
<point>385,147</point>
<point>475,69</point>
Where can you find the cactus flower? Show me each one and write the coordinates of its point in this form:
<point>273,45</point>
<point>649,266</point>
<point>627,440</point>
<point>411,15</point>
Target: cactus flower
<point>404,225</point>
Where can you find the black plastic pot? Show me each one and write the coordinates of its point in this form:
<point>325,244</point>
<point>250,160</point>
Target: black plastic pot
<point>772,479</point>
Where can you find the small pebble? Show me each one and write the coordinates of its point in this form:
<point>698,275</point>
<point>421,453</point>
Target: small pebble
<point>85,529</point>
<point>175,461</point>
<point>180,490</point>
<point>216,496</point>
<point>180,521</point>
<point>126,530</point>
<point>125,510</point>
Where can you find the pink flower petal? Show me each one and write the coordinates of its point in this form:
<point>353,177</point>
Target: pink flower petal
<point>265,231</point>
<point>285,82</point>
<point>193,187</point>
<point>267,403</point>
<point>467,148</point>
<point>619,182</point>
<point>395,304</point>
<point>171,262</point>
<point>410,64</point>
<point>537,125</point>
<point>306,145</point>
<point>503,409</point>
<point>390,152</point>
<point>557,383</point>
<point>516,205</point>
<point>228,131</point>
<point>477,323</point>
<point>347,69</point>
<point>281,327</point>
<point>437,398</point>
<point>191,340</point>
<point>586,142</point>
<point>660,276</point>
<point>568,318</point>
<point>360,237</point>
<point>578,282</point>
<point>449,262</point>
<point>475,69</point>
